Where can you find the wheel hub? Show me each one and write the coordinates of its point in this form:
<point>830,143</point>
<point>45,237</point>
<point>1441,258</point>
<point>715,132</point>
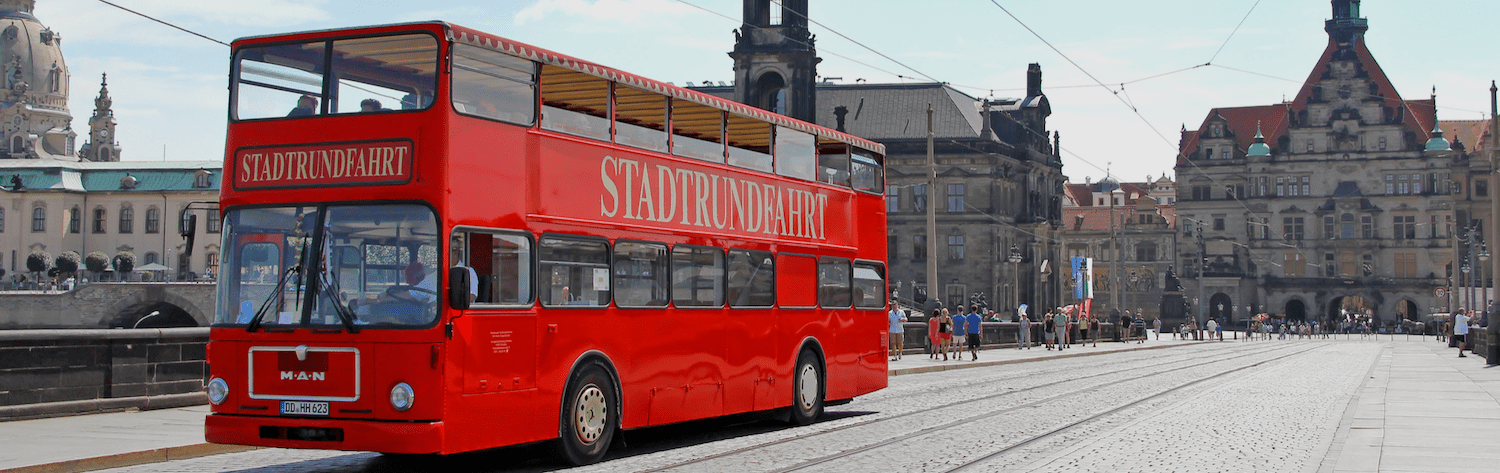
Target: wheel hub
<point>808,380</point>
<point>588,419</point>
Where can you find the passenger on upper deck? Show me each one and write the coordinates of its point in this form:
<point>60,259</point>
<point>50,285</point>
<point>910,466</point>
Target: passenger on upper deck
<point>370,105</point>
<point>306,106</point>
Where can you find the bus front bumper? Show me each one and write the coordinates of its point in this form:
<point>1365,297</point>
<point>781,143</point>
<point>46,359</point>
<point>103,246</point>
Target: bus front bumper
<point>331,434</point>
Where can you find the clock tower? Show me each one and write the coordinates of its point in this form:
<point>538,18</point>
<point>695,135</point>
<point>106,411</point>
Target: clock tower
<point>101,146</point>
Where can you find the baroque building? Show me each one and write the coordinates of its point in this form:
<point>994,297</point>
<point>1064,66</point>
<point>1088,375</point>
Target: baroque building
<point>999,175</point>
<point>1335,202</point>
<point>55,199</point>
<point>1140,218</point>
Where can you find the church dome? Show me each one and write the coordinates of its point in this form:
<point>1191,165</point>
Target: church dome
<point>32,56</point>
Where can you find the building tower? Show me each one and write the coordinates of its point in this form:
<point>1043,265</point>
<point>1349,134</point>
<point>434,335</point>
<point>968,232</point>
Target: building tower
<point>1346,25</point>
<point>34,116</point>
<point>775,63</point>
<point>101,146</point>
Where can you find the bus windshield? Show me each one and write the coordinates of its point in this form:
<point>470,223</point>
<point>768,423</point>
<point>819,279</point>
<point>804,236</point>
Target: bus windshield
<point>374,264</point>
<point>354,75</point>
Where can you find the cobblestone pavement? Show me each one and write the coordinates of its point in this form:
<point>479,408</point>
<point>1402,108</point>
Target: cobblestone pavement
<point>1210,407</point>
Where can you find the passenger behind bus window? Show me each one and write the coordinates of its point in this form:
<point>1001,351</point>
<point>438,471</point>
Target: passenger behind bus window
<point>370,105</point>
<point>306,106</point>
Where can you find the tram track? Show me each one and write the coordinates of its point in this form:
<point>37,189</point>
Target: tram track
<point>1238,353</point>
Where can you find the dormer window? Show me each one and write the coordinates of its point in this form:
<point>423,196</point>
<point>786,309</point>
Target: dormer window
<point>201,180</point>
<point>1216,130</point>
<point>1209,153</point>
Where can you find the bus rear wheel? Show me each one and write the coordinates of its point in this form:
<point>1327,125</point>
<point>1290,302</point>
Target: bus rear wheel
<point>589,417</point>
<point>807,389</point>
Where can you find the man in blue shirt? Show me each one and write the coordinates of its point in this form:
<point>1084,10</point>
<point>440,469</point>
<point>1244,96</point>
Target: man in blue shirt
<point>898,332</point>
<point>960,332</point>
<point>974,334</point>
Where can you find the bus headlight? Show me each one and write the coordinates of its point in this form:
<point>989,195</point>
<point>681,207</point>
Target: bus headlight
<point>402,397</point>
<point>217,390</point>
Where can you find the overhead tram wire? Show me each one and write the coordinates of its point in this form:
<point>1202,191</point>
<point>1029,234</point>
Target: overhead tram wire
<point>179,28</point>
<point>804,43</point>
<point>1232,32</point>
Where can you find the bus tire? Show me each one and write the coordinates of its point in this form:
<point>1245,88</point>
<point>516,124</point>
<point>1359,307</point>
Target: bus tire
<point>807,389</point>
<point>590,415</point>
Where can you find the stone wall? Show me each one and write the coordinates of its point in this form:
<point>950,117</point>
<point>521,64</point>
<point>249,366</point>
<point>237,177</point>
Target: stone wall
<point>102,305</point>
<point>52,366</point>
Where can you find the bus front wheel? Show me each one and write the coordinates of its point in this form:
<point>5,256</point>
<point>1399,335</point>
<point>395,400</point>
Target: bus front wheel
<point>807,389</point>
<point>590,415</point>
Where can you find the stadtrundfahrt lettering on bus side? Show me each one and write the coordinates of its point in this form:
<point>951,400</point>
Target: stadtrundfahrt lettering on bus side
<point>635,190</point>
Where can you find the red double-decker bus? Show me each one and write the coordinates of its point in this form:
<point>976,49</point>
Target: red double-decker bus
<point>437,240</point>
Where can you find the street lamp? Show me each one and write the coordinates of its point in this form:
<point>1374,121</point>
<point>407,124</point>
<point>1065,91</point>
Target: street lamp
<point>1015,262</point>
<point>1484,286</point>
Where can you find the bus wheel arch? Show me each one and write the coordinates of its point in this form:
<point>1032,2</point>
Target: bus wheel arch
<point>589,415</point>
<point>809,373</point>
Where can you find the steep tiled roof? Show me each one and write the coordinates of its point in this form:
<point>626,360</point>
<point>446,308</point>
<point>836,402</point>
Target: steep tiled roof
<point>1470,132</point>
<point>1082,195</point>
<point>1419,113</point>
<point>1242,122</point>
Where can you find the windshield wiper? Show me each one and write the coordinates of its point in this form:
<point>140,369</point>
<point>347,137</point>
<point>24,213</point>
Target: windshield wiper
<point>332,291</point>
<point>266,306</point>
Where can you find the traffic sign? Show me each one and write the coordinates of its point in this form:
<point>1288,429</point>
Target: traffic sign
<point>1439,292</point>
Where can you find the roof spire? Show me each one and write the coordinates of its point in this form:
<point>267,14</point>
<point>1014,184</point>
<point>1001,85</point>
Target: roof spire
<point>1437,142</point>
<point>1346,24</point>
<point>1259,148</point>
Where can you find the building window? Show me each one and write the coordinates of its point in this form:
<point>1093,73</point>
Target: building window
<point>1208,153</point>
<point>1225,154</point>
<point>1405,227</point>
<point>1328,265</point>
<point>1309,146</point>
<point>955,198</point>
<point>1481,187</point>
<point>2,220</point>
<point>75,220</point>
<point>1202,192</point>
<point>151,257</point>
<point>1329,232</point>
<point>1346,226</point>
<point>1293,266</point>
<point>1145,252</point>
<point>1291,228</point>
<point>1405,265</point>
<point>919,198</point>
<point>1219,223</point>
<point>1367,265</point>
<point>1382,144</point>
<point>127,220</point>
<point>1346,264</point>
<point>201,180</point>
<point>212,262</point>
<point>892,199</point>
<point>213,222</point>
<point>955,296</point>
<point>99,221</point>
<point>919,247</point>
<point>38,219</point>
<point>153,220</point>
<point>955,247</point>
<point>1367,226</point>
<point>891,248</point>
<point>1280,186</point>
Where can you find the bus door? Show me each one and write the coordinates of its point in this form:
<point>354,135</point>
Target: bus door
<point>751,349</point>
<point>498,332</point>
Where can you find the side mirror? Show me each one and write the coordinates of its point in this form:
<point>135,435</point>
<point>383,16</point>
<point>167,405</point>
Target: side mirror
<point>458,287</point>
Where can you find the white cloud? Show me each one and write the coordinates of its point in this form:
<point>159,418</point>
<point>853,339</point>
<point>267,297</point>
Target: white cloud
<point>634,12</point>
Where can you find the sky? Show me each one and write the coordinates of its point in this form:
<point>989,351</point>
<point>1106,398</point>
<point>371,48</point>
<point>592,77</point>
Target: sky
<point>170,88</point>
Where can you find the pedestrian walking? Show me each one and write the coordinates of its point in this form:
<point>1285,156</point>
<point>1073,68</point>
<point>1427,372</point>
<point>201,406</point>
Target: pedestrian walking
<point>947,334</point>
<point>1213,326</point>
<point>1023,333</point>
<point>1061,322</point>
<point>1049,328</point>
<point>898,331</point>
<point>1461,331</point>
<point>1156,325</point>
<point>960,322</point>
<point>934,333</point>
<point>974,335</point>
<point>1140,327</point>
<point>1083,329</point>
<point>1126,325</point>
<point>1094,329</point>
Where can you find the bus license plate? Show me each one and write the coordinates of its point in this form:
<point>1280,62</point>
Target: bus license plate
<point>303,408</point>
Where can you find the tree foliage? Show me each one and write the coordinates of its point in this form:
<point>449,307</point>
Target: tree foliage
<point>124,262</point>
<point>96,261</point>
<point>67,262</point>
<point>38,261</point>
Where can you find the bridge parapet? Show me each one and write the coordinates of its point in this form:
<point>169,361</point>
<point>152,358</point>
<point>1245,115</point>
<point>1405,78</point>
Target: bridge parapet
<point>105,305</point>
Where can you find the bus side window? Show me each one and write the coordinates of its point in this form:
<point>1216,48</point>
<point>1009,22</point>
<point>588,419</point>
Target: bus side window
<point>574,271</point>
<point>749,143</point>
<point>575,103</point>
<point>493,85</point>
<point>752,279</point>
<point>833,283</point>
<point>503,263</point>
<point>833,164</point>
<point>869,285</point>
<point>697,276</point>
<point>866,173</point>
<point>697,131</point>
<point>641,274</point>
<point>796,154</point>
<point>640,118</point>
